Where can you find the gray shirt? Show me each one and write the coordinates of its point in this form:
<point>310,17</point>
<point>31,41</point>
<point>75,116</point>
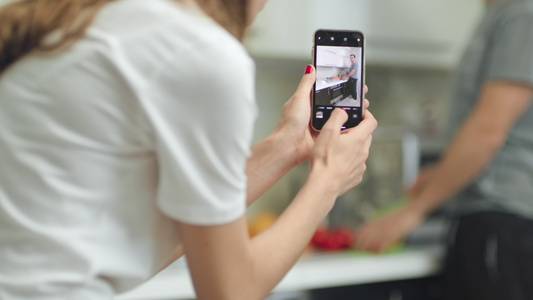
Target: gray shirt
<point>501,49</point>
<point>354,67</point>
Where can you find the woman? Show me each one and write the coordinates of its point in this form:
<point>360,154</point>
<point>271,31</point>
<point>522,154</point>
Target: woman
<point>125,131</point>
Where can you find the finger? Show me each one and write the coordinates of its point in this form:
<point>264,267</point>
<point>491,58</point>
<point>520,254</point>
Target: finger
<point>368,114</point>
<point>366,103</point>
<point>367,125</point>
<point>369,120</point>
<point>306,83</point>
<point>366,89</point>
<point>337,118</point>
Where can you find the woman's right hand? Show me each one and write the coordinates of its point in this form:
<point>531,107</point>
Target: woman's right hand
<point>339,157</point>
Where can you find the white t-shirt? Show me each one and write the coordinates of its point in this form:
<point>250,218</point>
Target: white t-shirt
<point>147,119</point>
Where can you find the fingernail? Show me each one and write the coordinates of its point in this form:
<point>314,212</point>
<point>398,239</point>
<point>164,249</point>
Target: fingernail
<point>308,69</point>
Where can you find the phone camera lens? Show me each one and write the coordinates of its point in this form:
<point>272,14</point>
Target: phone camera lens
<point>345,39</point>
<point>332,38</point>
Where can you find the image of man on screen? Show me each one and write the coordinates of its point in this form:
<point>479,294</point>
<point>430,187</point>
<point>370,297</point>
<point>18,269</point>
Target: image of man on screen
<point>352,77</point>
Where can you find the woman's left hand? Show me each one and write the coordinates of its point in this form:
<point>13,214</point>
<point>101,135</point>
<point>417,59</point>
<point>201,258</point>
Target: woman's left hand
<point>294,123</point>
<point>295,115</point>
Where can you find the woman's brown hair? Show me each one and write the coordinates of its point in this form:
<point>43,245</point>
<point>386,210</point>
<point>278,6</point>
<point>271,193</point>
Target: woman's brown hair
<point>25,24</point>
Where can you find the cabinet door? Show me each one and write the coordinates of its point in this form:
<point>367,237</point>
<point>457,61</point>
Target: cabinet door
<point>283,29</point>
<point>329,56</point>
<point>331,59</point>
<point>345,90</point>
<point>398,32</point>
<point>420,32</point>
<point>322,97</point>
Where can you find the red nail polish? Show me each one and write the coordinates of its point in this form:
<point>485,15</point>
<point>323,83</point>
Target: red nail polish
<point>308,69</point>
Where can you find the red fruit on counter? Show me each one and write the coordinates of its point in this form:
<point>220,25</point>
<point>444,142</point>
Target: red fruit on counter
<point>332,239</point>
<point>344,236</point>
<point>332,244</point>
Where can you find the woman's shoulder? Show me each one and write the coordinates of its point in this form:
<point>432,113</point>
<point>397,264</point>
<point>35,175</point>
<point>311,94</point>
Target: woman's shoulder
<point>178,22</point>
<point>155,31</point>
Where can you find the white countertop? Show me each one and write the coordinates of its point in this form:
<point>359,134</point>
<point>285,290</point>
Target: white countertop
<point>322,84</point>
<point>313,271</point>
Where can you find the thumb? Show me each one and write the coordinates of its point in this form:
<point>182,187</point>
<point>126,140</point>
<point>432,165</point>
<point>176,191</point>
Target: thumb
<point>336,120</point>
<point>307,81</point>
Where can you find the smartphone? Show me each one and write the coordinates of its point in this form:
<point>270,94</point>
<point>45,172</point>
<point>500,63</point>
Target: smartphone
<point>339,60</point>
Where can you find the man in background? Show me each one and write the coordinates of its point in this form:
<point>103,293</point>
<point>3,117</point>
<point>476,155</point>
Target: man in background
<point>486,172</point>
<point>352,77</point>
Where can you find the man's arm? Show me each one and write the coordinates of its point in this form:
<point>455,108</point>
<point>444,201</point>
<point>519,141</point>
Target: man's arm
<point>352,70</point>
<point>482,135</point>
<point>477,141</point>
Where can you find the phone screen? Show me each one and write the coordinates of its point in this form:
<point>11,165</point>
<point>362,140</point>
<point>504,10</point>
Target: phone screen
<point>339,62</point>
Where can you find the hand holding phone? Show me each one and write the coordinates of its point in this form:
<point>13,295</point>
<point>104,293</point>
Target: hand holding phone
<point>338,56</point>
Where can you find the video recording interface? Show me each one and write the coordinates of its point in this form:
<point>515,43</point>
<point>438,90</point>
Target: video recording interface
<point>339,62</point>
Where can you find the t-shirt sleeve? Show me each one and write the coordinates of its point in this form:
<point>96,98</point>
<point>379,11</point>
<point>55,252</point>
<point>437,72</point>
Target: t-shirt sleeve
<point>511,56</point>
<point>202,109</point>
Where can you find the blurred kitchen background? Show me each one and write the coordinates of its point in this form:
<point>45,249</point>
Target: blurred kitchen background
<point>412,49</point>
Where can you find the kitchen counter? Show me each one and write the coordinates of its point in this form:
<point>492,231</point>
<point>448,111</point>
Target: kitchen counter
<point>322,84</point>
<point>312,271</point>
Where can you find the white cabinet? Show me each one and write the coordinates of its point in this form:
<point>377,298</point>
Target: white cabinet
<point>328,58</point>
<point>333,57</point>
<point>399,32</point>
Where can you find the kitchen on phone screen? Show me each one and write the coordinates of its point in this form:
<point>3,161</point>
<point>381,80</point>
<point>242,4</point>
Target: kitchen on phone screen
<point>339,62</point>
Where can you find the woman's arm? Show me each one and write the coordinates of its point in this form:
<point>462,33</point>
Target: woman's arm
<point>226,263</point>
<point>287,146</point>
